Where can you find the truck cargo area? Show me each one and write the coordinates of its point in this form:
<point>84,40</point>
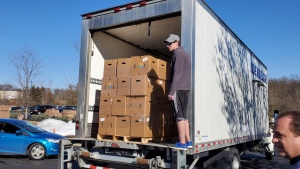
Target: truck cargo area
<point>138,38</point>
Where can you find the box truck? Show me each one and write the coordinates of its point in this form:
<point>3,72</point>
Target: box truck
<point>228,101</point>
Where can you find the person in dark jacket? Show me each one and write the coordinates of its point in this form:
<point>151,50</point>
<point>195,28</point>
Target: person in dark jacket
<point>286,137</point>
<point>180,85</point>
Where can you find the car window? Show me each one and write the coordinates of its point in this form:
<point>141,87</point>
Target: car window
<point>30,127</point>
<point>8,128</point>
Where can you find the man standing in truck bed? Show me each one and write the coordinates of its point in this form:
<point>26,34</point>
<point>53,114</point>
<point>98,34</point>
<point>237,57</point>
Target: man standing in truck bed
<point>180,85</point>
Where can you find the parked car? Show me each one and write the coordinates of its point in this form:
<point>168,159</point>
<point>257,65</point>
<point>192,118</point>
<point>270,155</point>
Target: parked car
<point>59,108</point>
<point>18,137</point>
<point>40,109</point>
<point>15,108</point>
<point>70,107</point>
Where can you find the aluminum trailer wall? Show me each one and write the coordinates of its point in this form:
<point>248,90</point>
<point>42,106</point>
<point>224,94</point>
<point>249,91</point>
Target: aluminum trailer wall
<point>230,88</point>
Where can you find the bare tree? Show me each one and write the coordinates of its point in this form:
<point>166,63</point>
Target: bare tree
<point>26,64</point>
<point>74,43</point>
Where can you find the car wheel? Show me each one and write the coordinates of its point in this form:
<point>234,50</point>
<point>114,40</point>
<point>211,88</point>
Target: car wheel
<point>39,113</point>
<point>36,151</point>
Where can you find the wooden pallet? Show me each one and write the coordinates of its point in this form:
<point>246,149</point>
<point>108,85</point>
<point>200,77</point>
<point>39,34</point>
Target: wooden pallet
<point>130,139</point>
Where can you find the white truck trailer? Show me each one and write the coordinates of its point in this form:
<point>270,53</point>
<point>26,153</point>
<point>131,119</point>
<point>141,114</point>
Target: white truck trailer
<point>228,100</point>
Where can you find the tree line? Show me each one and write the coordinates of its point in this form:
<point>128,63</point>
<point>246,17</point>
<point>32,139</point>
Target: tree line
<point>284,94</point>
<point>42,96</point>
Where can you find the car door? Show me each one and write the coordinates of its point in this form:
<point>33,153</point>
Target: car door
<point>10,142</point>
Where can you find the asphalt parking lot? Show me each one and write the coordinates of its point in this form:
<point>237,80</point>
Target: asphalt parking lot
<point>248,161</point>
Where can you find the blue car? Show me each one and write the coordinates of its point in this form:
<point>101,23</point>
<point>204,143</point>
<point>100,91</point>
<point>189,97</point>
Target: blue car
<point>18,137</point>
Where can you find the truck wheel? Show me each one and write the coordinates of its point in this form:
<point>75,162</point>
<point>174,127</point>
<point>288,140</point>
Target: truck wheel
<point>36,152</point>
<point>235,158</point>
<point>269,155</point>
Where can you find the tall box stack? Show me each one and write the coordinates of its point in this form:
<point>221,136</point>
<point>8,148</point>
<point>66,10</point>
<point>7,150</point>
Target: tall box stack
<point>133,98</point>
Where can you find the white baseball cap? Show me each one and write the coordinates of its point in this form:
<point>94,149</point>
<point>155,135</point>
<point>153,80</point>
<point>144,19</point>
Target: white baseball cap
<point>172,38</point>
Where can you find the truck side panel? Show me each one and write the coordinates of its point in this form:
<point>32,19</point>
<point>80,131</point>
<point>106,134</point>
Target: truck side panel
<point>229,107</point>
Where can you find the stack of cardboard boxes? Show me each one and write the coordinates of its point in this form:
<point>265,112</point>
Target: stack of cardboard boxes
<point>134,100</point>
<point>4,111</point>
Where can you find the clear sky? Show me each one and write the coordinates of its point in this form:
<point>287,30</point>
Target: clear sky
<point>270,28</point>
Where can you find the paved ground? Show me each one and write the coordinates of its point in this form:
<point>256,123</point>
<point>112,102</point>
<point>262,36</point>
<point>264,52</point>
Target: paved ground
<point>258,161</point>
<point>249,161</point>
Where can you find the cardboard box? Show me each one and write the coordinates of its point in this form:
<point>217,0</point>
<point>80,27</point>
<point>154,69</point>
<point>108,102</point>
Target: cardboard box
<point>123,88</point>
<point>143,105</point>
<point>123,126</point>
<point>107,125</point>
<point>105,107</point>
<point>161,89</point>
<point>144,65</point>
<point>143,86</point>
<point>4,107</point>
<point>146,126</point>
<point>163,69</point>
<point>110,68</point>
<point>4,114</point>
<point>109,86</point>
<point>123,67</point>
<point>119,106</point>
<point>4,111</point>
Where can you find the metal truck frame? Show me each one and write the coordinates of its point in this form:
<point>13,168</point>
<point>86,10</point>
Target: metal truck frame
<point>229,96</point>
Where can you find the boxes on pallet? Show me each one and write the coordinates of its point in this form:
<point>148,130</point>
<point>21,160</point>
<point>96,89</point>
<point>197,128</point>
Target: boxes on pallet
<point>123,126</point>
<point>107,125</point>
<point>105,106</point>
<point>123,87</point>
<point>146,126</point>
<point>109,86</point>
<point>143,86</point>
<point>123,67</point>
<point>119,106</point>
<point>110,68</point>
<point>144,65</point>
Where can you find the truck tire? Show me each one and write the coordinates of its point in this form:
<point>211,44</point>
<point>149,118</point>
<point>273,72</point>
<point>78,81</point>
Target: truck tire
<point>269,155</point>
<point>36,151</point>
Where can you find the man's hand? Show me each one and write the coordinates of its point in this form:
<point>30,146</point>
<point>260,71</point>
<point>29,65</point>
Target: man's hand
<point>171,97</point>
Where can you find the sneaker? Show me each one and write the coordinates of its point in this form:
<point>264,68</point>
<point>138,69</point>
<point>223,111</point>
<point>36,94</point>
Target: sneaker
<point>180,146</point>
<point>189,144</point>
